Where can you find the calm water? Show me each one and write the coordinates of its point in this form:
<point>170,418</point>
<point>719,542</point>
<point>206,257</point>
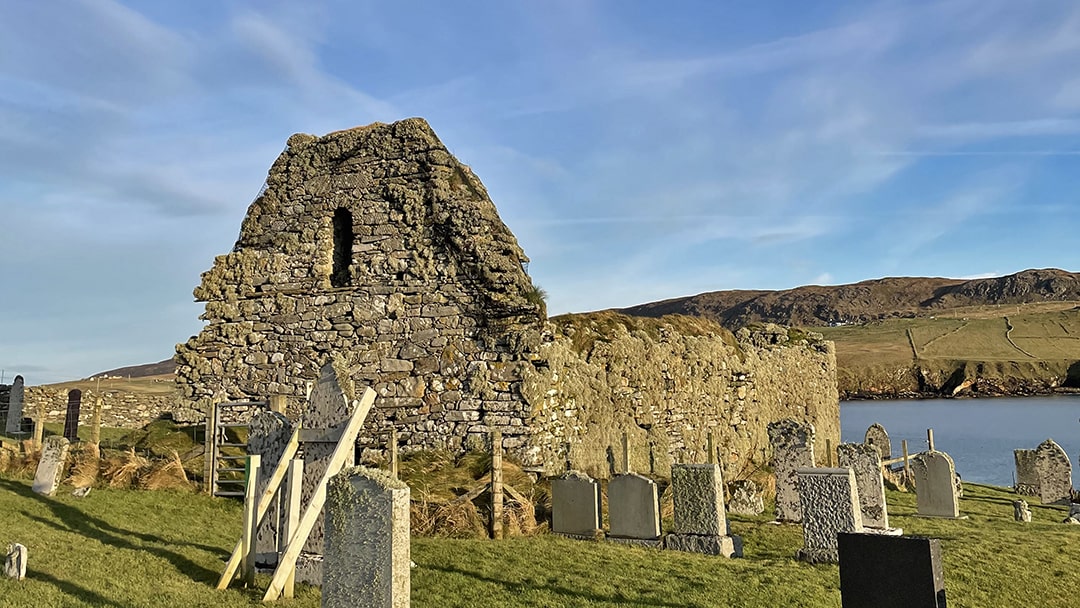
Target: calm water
<point>979,434</point>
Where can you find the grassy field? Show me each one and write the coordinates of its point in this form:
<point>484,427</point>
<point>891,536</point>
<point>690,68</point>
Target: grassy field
<point>137,548</point>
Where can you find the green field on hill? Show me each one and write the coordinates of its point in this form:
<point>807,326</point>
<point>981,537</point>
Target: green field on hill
<point>139,548</point>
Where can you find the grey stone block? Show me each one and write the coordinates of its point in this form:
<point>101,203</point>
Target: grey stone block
<point>633,508</point>
<point>935,485</point>
<point>865,461</point>
<point>890,572</point>
<point>830,505</point>
<point>575,505</point>
<point>877,436</point>
<point>793,448</point>
<point>1054,470</point>
<point>709,544</point>
<point>1027,478</point>
<point>15,562</point>
<point>698,492</point>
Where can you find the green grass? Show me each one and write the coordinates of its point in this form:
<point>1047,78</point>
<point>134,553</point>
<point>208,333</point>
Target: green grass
<point>132,548</point>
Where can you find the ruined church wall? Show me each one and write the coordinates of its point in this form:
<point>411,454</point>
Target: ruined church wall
<point>119,408</point>
<point>668,383</point>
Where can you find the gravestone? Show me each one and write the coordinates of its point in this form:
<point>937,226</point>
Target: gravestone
<point>793,448</point>
<point>878,437</point>
<point>865,461</point>
<point>633,510</point>
<point>935,485</point>
<point>13,425</point>
<point>575,505</point>
<point>366,560</point>
<point>1027,478</point>
<point>1021,512</point>
<point>1054,470</point>
<point>325,416</point>
<point>830,505</point>
<point>1074,514</point>
<point>15,562</point>
<point>50,468</point>
<point>879,571</point>
<point>700,524</point>
<point>71,418</point>
<point>746,498</point>
<point>268,435</point>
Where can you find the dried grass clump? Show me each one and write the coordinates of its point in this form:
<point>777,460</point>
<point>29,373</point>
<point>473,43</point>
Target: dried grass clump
<point>23,465</point>
<point>456,519</point>
<point>122,469</point>
<point>87,467</point>
<point>165,475</point>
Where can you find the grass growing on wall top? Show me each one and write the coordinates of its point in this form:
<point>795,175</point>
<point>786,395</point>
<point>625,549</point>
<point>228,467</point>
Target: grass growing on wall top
<point>588,328</point>
<point>133,548</point>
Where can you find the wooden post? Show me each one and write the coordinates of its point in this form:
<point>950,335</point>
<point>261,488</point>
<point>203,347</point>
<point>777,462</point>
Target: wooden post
<point>393,452</point>
<point>95,422</point>
<point>278,403</point>
<point>625,453</point>
<point>496,485</point>
<point>828,453</point>
<point>930,439</point>
<point>210,450</point>
<point>907,468</point>
<point>292,518</point>
<point>39,424</point>
<point>251,522</point>
<point>711,448</point>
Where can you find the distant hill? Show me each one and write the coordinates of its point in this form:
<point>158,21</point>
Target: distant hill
<point>877,299</point>
<point>168,366</point>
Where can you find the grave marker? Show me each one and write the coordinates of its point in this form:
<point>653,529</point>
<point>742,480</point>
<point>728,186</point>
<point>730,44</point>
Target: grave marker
<point>71,418</point>
<point>793,448</point>
<point>269,434</point>
<point>15,407</point>
<point>700,524</point>
<point>50,468</point>
<point>366,560</point>
<point>1027,478</point>
<point>575,505</point>
<point>15,562</point>
<point>879,571</point>
<point>1054,470</point>
<point>746,498</point>
<point>935,485</point>
<point>878,437</point>
<point>830,505</point>
<point>1021,512</point>
<point>633,510</point>
<point>865,461</point>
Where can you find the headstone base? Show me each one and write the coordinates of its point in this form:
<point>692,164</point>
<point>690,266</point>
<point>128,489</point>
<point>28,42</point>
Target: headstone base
<point>709,544</point>
<point>940,516</point>
<point>656,543</point>
<point>309,569</point>
<point>884,531</point>
<point>818,556</point>
<point>596,535</point>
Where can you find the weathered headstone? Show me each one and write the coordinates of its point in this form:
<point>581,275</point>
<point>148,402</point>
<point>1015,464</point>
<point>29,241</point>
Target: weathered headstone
<point>878,437</point>
<point>746,498</point>
<point>935,485</point>
<point>366,558</point>
<point>700,524</point>
<point>1054,470</point>
<point>50,468</point>
<point>1021,512</point>
<point>793,448</point>
<point>327,412</point>
<point>865,461</point>
<point>15,407</point>
<point>15,562</point>
<point>575,505</point>
<point>633,510</point>
<point>879,571</point>
<point>268,435</point>
<point>71,418</point>
<point>1027,479</point>
<point>830,505</point>
<point>1074,514</point>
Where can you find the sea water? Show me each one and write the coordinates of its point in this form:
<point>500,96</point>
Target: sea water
<point>979,434</point>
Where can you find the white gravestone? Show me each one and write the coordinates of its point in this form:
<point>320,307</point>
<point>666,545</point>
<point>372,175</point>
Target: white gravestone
<point>50,468</point>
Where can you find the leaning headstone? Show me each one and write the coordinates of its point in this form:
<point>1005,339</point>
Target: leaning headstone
<point>878,437</point>
<point>15,563</point>
<point>575,506</point>
<point>935,485</point>
<point>324,418</point>
<point>830,505</point>
<point>50,468</point>
<point>71,418</point>
<point>890,571</point>
<point>15,407</point>
<point>1054,470</point>
<point>746,498</point>
<point>865,461</point>
<point>1021,512</point>
<point>1027,478</point>
<point>700,524</point>
<point>1074,514</point>
<point>366,559</point>
<point>633,511</point>
<point>793,448</point>
<point>268,435</point>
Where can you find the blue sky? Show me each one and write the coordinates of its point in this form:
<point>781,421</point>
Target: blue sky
<point>639,150</point>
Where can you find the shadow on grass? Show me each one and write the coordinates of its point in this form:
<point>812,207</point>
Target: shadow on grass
<point>73,590</point>
<point>515,587</point>
<point>78,522</point>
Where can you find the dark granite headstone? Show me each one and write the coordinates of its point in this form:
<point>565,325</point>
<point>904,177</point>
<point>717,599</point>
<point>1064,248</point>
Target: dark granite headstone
<point>71,421</point>
<point>878,571</point>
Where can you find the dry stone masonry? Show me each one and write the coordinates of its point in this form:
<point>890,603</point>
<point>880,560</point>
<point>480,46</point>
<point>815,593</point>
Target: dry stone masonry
<point>374,249</point>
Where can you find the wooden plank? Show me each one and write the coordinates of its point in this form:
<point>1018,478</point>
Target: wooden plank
<point>292,517</point>
<point>296,541</point>
<point>496,485</point>
<point>264,505</point>
<point>251,522</point>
